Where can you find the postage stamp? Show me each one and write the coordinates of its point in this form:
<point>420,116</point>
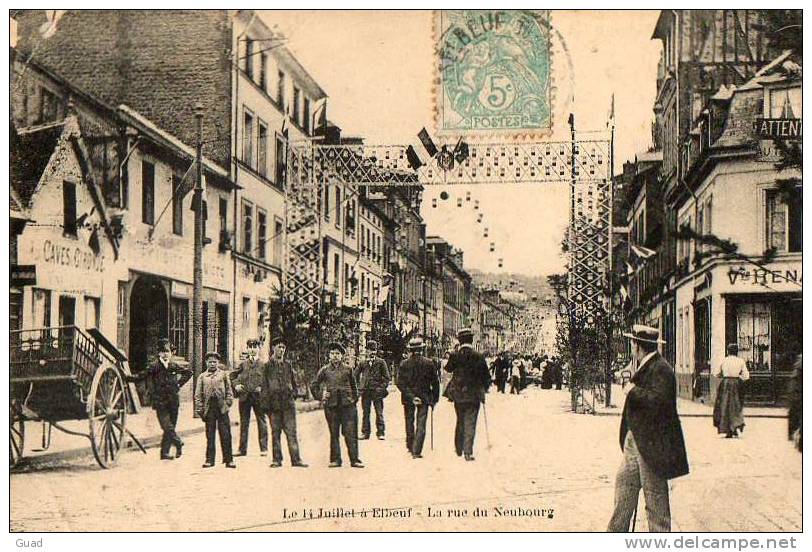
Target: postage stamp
<point>494,70</point>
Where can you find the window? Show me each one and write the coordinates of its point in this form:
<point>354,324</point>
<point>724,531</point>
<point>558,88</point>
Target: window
<point>249,58</point>
<point>280,91</point>
<point>69,208</point>
<point>753,335</point>
<point>336,271</point>
<point>247,227</point>
<point>785,103</point>
<point>262,232</point>
<point>278,239</point>
<point>223,216</point>
<point>327,202</point>
<point>296,101</point>
<point>179,326</point>
<point>262,314</point>
<point>248,139</point>
<point>280,162</point>
<point>262,155</point>
<point>41,308</point>
<point>363,241</point>
<point>784,224</point>
<point>338,207</point>
<point>147,192</point>
<point>306,117</point>
<point>48,107</point>
<point>177,207</point>
<point>246,313</point>
<point>263,73</point>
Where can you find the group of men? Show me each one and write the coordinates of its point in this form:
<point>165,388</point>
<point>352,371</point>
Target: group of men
<point>519,370</point>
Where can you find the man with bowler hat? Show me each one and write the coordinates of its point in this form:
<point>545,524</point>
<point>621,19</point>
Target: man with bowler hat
<point>163,381</point>
<point>470,380</point>
<point>336,386</point>
<point>213,398</point>
<point>373,379</point>
<point>280,388</point>
<point>419,391</point>
<point>650,436</point>
<point>247,381</point>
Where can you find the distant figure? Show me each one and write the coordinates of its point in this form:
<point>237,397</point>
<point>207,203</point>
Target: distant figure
<point>515,376</point>
<point>501,367</point>
<point>469,383</point>
<point>727,410</point>
<point>796,404</point>
<point>558,374</point>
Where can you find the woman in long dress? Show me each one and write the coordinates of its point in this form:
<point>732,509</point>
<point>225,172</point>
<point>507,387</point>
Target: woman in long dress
<point>727,411</point>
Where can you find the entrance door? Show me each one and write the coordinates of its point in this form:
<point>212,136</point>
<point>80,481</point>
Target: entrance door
<point>149,320</point>
<point>702,349</point>
<point>67,310</point>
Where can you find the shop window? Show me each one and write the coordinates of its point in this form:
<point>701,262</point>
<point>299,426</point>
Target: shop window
<point>69,208</point>
<point>785,103</point>
<point>147,193</point>
<point>179,326</point>
<point>753,335</point>
<point>784,220</point>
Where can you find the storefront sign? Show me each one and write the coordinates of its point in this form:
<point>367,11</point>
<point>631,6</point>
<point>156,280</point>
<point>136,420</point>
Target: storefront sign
<point>754,276</point>
<point>778,129</point>
<point>71,255</point>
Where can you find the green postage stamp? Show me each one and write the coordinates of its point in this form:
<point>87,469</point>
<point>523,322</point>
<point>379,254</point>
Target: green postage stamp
<point>494,71</point>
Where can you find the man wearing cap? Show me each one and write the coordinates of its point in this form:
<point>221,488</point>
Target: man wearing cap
<point>281,387</point>
<point>650,436</point>
<point>373,379</point>
<point>419,390</point>
<point>470,380</point>
<point>213,398</point>
<point>163,380</point>
<point>337,388</point>
<point>247,382</point>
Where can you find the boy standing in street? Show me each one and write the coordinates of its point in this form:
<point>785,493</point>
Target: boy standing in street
<point>247,381</point>
<point>213,398</point>
<point>336,386</point>
<point>280,390</point>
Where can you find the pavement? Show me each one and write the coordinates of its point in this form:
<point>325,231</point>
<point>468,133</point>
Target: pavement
<point>538,467</point>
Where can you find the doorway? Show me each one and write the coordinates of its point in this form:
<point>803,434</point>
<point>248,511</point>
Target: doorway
<point>149,320</point>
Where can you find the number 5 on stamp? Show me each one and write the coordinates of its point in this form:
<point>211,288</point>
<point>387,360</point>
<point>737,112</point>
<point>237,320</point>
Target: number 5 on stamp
<point>494,71</point>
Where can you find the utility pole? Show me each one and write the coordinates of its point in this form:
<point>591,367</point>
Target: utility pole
<point>197,291</point>
<point>610,322</point>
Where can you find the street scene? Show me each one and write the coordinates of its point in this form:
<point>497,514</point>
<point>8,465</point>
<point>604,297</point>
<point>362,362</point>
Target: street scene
<point>502,270</point>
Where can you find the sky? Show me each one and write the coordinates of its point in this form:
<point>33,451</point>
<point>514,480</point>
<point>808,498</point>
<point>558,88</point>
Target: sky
<point>378,69</point>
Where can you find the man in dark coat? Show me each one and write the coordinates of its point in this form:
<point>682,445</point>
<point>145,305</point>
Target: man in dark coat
<point>247,382</point>
<point>650,437</point>
<point>280,388</point>
<point>470,380</point>
<point>373,379</point>
<point>336,386</point>
<point>163,381</point>
<point>419,390</point>
<point>501,367</point>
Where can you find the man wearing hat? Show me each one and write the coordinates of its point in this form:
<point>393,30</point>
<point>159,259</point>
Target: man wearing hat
<point>419,391</point>
<point>650,436</point>
<point>163,381</point>
<point>470,380</point>
<point>373,379</point>
<point>247,381</point>
<point>280,388</point>
<point>213,398</point>
<point>337,388</point>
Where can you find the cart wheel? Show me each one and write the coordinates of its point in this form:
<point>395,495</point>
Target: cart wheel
<point>16,433</point>
<point>107,414</point>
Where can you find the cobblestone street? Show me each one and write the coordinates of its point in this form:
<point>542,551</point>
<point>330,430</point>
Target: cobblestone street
<point>540,458</point>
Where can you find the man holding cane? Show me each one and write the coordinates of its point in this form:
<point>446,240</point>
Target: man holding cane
<point>419,391</point>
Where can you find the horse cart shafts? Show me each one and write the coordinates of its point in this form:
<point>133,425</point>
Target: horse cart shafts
<point>64,373</point>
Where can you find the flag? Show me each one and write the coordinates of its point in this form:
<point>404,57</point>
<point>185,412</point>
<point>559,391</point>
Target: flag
<point>611,119</point>
<point>427,142</point>
<point>187,182</point>
<point>48,29</point>
<point>414,160</point>
<point>643,252</point>
<point>93,241</point>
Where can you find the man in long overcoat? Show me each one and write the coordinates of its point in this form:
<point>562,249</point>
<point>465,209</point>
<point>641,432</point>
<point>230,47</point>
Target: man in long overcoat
<point>373,379</point>
<point>419,390</point>
<point>650,437</point>
<point>164,379</point>
<point>470,380</point>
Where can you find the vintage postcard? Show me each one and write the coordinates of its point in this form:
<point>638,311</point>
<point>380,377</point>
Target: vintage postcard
<point>461,270</point>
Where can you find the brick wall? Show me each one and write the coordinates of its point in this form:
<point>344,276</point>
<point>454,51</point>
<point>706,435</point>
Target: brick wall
<point>158,63</point>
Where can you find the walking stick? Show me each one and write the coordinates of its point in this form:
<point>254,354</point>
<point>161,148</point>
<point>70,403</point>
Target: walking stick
<point>487,433</point>
<point>634,516</point>
<point>432,428</point>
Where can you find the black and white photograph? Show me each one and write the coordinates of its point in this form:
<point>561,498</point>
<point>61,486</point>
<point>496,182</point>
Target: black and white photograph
<point>461,270</point>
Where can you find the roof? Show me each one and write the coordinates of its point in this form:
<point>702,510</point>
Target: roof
<point>30,151</point>
<point>661,27</point>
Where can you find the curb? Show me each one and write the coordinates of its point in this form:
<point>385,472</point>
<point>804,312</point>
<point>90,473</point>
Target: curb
<point>152,441</point>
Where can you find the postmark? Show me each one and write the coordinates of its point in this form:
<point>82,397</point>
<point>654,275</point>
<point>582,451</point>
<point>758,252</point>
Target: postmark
<point>494,71</point>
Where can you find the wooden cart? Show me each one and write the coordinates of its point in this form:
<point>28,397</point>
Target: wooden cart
<point>64,373</point>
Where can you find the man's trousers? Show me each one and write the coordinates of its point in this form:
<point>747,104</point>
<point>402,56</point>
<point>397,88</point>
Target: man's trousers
<point>416,417</point>
<point>252,402</point>
<point>342,420</point>
<point>218,422</point>
<point>465,431</point>
<point>284,419</point>
<point>633,474</point>
<point>366,403</point>
<point>167,419</point>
